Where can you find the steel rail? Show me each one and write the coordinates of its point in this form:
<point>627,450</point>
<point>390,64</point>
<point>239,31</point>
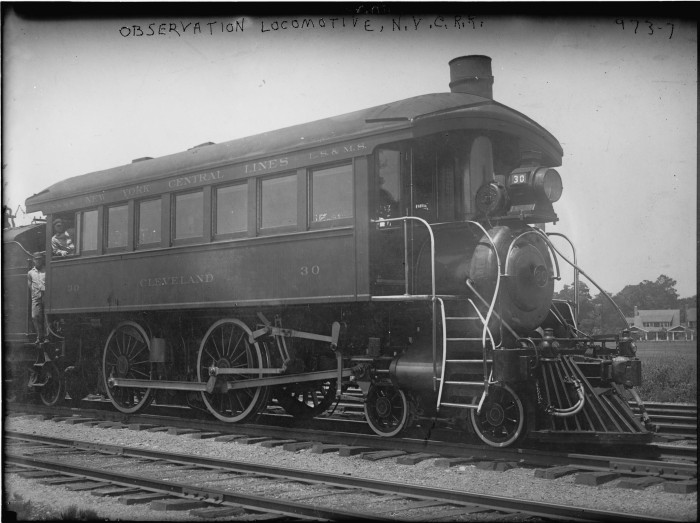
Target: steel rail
<point>491,502</point>
<point>247,501</point>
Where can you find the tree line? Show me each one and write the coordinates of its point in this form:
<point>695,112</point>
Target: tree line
<point>598,316</point>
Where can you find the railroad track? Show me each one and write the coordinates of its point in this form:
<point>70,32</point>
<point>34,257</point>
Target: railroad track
<point>670,462</point>
<point>672,418</point>
<point>214,487</point>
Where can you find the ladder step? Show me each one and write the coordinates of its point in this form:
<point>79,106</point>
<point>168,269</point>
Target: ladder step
<point>468,361</point>
<point>464,383</point>
<point>466,318</point>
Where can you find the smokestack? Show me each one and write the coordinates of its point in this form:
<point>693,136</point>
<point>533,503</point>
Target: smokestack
<point>472,75</point>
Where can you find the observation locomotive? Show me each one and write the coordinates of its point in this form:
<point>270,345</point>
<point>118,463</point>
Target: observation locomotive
<point>401,249</point>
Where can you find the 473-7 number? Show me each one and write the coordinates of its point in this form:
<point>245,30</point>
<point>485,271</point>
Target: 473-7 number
<point>305,270</point>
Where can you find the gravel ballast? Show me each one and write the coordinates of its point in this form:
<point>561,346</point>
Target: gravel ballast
<point>516,482</point>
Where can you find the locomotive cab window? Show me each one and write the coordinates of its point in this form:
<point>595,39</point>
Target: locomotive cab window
<point>231,210</point>
<point>188,223</point>
<point>278,203</point>
<point>388,185</point>
<point>149,222</point>
<point>331,196</point>
<point>117,225</point>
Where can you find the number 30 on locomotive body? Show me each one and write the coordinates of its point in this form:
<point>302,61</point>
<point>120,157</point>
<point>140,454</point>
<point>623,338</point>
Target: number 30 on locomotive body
<point>400,249</point>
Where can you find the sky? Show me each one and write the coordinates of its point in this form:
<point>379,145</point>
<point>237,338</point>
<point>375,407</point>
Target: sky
<point>619,92</point>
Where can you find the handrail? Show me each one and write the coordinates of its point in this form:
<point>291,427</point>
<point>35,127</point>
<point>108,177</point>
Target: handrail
<point>432,276</point>
<point>444,353</point>
<point>573,250</point>
<point>575,266</point>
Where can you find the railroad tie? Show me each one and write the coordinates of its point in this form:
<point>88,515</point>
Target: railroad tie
<point>202,435</point>
<point>299,445</point>
<point>169,505</point>
<point>681,487</point>
<point>272,443</point>
<point>595,478</point>
<point>446,463</point>
<point>140,426</point>
<point>115,491</point>
<point>640,483</point>
<point>354,450</point>
<point>413,459</point>
<point>496,466</point>
<point>210,513</point>
<point>325,448</point>
<point>228,437</point>
<point>176,431</point>
<point>142,498</point>
<point>382,454</point>
<point>556,472</point>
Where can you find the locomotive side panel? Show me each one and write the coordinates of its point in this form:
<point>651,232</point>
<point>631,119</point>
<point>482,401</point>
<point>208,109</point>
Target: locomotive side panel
<point>288,270</point>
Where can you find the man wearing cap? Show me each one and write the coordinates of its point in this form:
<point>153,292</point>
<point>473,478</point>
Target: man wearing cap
<point>61,243</point>
<point>36,279</point>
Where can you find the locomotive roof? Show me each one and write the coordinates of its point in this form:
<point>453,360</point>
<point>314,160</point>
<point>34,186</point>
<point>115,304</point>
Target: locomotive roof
<point>409,114</point>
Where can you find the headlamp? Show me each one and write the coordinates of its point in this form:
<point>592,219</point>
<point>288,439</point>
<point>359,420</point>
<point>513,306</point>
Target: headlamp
<point>530,185</point>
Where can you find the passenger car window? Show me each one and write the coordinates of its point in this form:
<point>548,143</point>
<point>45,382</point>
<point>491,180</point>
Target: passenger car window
<point>332,194</point>
<point>87,231</point>
<point>117,226</point>
<point>189,215</point>
<point>231,209</point>
<point>149,222</point>
<point>279,202</point>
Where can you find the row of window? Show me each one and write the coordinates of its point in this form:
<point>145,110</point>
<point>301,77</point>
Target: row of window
<point>330,203</point>
<point>656,324</point>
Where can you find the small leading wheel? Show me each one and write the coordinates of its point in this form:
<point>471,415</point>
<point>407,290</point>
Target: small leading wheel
<point>387,409</point>
<point>227,345</point>
<point>127,355</point>
<point>306,400</point>
<point>52,390</point>
<point>502,418</point>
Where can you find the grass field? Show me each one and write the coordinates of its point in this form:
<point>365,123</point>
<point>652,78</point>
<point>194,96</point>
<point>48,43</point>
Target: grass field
<point>669,371</point>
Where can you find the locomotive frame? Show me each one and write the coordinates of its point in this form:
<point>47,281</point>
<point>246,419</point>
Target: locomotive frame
<point>401,248</point>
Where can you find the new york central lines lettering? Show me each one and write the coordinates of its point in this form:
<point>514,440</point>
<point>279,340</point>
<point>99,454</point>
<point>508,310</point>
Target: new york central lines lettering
<point>195,179</point>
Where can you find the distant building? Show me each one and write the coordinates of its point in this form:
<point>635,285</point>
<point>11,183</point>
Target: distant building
<point>659,325</point>
<point>691,320</point>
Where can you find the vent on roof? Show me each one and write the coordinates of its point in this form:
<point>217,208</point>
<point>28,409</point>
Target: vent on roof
<point>142,159</point>
<point>201,145</point>
<point>472,75</point>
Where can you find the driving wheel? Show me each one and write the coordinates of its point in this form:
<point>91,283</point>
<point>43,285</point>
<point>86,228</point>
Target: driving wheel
<point>227,345</point>
<point>127,355</point>
<point>306,400</point>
